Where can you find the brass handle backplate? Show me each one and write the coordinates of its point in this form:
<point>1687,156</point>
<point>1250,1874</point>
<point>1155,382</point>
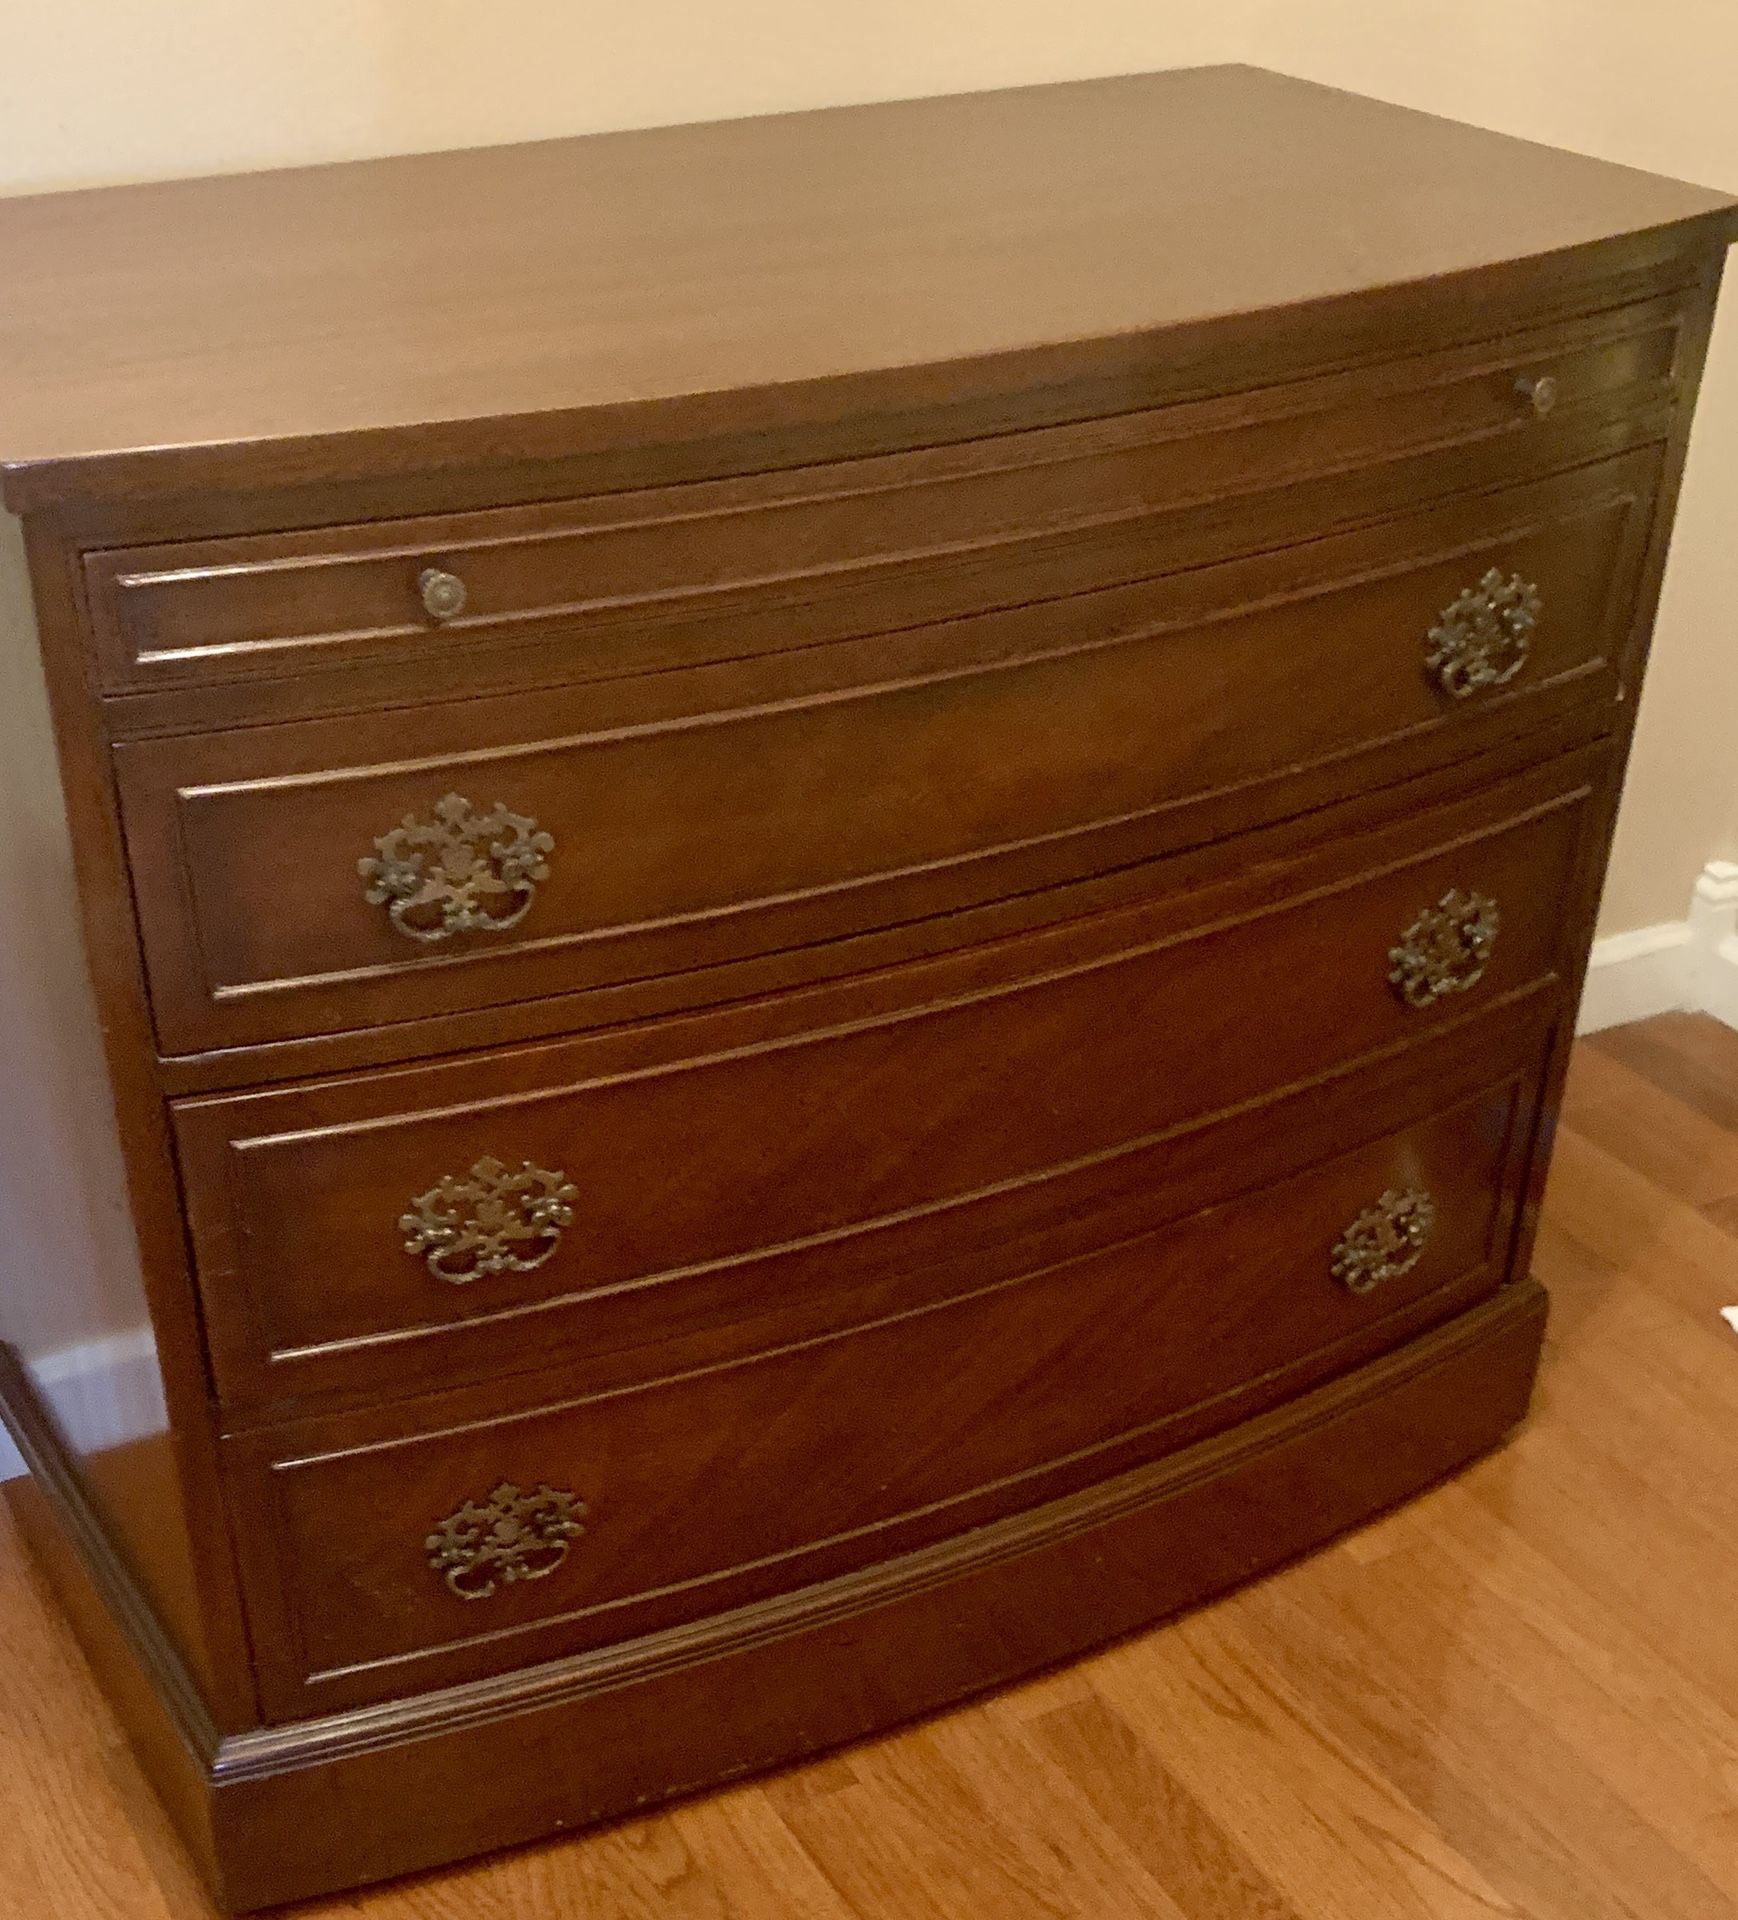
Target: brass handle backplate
<point>1386,1240</point>
<point>494,1219</point>
<point>443,594</point>
<point>1446,949</point>
<point>1483,637</point>
<point>511,1536</point>
<point>459,872</point>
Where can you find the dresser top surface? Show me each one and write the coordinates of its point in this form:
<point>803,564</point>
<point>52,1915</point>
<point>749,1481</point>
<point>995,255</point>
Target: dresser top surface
<point>407,299</point>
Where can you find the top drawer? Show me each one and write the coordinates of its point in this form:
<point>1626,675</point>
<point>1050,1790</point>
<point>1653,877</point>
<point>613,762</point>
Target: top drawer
<point>720,569</point>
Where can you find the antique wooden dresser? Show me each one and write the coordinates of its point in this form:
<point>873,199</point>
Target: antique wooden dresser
<point>811,909</point>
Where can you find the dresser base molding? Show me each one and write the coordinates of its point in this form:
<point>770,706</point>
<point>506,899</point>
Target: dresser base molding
<point>286,1813</point>
<point>141,1673</point>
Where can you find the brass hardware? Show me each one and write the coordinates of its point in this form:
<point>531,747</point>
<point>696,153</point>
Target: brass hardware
<point>461,872</point>
<point>443,594</point>
<point>1386,1240</point>
<point>1445,950</point>
<point>1538,392</point>
<point>513,1535</point>
<point>470,1225</point>
<point>1483,639</point>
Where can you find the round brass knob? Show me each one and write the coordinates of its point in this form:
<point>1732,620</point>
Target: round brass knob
<point>1538,392</point>
<point>443,594</point>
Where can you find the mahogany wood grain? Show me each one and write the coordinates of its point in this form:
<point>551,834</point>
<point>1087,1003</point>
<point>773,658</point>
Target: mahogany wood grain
<point>1582,906</point>
<point>163,1504</point>
<point>1359,338</point>
<point>700,1315</point>
<point>1534,1747</point>
<point>1023,1391</point>
<point>64,1212</point>
<point>1225,864</point>
<point>665,281</point>
<point>767,645</point>
<point>631,581</point>
<point>955,574</point>
<point>721,1168</point>
<point>309,1808</point>
<point>687,833</point>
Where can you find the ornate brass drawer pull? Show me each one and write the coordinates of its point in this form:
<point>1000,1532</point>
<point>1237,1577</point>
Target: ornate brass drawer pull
<point>494,1219</point>
<point>512,1535</point>
<point>1386,1240</point>
<point>1483,638</point>
<point>443,594</point>
<point>460,872</point>
<point>1445,950</point>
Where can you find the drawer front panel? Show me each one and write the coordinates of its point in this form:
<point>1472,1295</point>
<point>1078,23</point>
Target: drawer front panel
<point>647,842</point>
<point>663,577</point>
<point>454,1549</point>
<point>399,1229</point>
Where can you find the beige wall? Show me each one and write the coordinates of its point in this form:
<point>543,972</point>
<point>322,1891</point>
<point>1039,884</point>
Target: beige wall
<point>97,90</point>
<point>1652,86</point>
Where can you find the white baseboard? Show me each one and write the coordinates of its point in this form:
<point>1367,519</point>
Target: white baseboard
<point>1714,942</point>
<point>102,1393</point>
<point>1684,964</point>
<point>1633,976</point>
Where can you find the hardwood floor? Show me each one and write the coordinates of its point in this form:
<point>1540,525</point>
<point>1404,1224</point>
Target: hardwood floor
<point>1518,1696</point>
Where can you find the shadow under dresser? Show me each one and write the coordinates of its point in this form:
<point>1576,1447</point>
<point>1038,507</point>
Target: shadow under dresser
<point>812,907</point>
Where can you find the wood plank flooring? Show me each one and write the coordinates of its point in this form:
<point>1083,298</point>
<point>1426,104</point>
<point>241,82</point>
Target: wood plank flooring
<point>1516,1697</point>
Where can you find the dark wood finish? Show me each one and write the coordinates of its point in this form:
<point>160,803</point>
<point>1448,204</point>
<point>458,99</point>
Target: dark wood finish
<point>688,832</point>
<point>746,1157</point>
<point>652,579</point>
<point>305,1809</point>
<point>660,282</point>
<point>163,1702</point>
<point>1514,1691</point>
<point>388,1321</point>
<point>1581,908</point>
<point>170,1521</point>
<point>955,580</point>
<point>719,1487</point>
<point>63,1188</point>
<point>1228,865</point>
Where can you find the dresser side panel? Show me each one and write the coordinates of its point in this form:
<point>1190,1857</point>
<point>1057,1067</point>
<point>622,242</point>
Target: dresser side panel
<point>1581,904</point>
<point>73,1301</point>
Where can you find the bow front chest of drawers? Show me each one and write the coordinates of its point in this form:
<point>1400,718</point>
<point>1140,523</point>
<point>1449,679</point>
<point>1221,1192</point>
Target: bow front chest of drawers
<point>797,905</point>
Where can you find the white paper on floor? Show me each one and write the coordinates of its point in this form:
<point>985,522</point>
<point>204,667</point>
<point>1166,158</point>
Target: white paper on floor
<point>1730,1316</point>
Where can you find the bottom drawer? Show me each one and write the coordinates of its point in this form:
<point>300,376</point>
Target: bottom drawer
<point>381,1557</point>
